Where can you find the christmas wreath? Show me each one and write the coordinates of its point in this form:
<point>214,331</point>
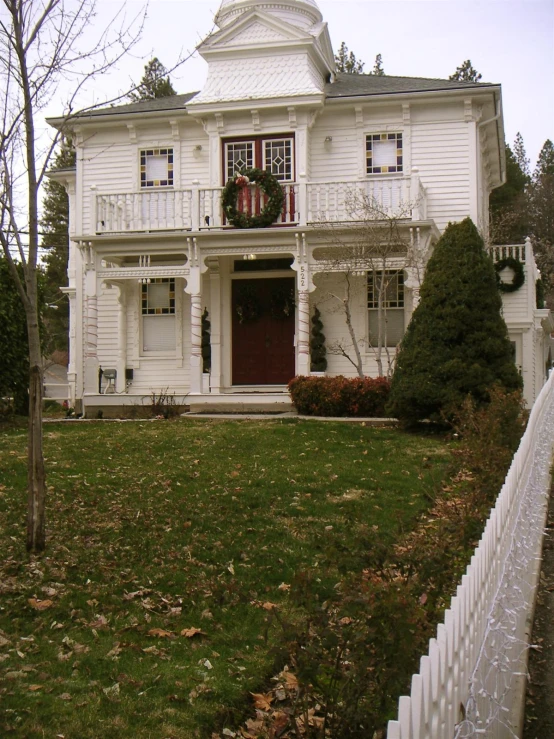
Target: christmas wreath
<point>282,304</point>
<point>247,305</point>
<point>518,278</point>
<point>268,184</point>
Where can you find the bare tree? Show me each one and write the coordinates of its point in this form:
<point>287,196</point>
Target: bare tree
<point>367,253</point>
<point>40,47</point>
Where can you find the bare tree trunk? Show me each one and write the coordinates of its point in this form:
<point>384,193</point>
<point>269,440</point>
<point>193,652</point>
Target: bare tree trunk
<point>348,318</point>
<point>36,481</point>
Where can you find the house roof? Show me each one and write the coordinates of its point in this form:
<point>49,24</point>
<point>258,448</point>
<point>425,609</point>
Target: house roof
<point>346,85</point>
<point>352,85</point>
<point>172,102</point>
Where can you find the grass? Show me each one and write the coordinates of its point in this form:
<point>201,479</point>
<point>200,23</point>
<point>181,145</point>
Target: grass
<point>158,527</point>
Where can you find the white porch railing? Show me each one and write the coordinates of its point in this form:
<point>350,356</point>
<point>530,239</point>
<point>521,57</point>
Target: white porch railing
<point>196,208</point>
<point>471,683</point>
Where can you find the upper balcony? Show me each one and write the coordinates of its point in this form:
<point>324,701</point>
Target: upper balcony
<point>306,203</point>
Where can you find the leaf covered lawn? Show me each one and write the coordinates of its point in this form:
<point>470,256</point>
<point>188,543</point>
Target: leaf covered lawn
<point>169,545</point>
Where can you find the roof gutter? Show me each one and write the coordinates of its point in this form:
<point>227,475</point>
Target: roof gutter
<point>496,119</point>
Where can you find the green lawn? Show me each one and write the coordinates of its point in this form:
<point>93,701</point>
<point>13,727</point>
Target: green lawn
<point>158,527</point>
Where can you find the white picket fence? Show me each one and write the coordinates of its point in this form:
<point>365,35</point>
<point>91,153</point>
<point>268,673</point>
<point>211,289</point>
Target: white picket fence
<point>472,681</point>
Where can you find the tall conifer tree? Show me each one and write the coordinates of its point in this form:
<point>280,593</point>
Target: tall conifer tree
<point>457,341</point>
<point>55,240</point>
<point>155,83</point>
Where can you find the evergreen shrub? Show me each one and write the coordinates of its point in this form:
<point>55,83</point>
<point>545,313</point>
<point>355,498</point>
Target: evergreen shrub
<point>317,344</point>
<point>340,396</point>
<point>457,342</point>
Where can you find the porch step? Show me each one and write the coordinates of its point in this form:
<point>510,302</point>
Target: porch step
<point>268,403</point>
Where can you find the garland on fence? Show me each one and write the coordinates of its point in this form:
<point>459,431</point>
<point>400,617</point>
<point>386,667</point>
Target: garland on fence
<point>519,276</point>
<point>268,184</point>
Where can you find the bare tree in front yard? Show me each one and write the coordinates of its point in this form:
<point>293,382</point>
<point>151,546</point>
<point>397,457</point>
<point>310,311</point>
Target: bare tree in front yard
<point>40,48</point>
<point>372,244</point>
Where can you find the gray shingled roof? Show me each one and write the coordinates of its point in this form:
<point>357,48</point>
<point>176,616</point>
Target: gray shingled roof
<point>346,85</point>
<point>351,85</point>
<point>173,102</point>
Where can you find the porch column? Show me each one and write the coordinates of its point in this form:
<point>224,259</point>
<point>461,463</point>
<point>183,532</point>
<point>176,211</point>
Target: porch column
<point>91,337</point>
<point>303,333</point>
<point>194,288</point>
<point>121,364</point>
<point>196,343</point>
<point>215,328</point>
<point>305,286</point>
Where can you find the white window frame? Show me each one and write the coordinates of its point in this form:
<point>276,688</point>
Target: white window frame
<point>390,306</point>
<point>154,313</point>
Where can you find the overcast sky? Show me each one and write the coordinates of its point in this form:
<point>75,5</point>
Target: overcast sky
<point>509,41</point>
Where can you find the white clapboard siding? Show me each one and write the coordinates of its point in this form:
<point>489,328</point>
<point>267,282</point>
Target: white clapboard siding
<point>109,170</point>
<point>108,328</point>
<point>441,152</point>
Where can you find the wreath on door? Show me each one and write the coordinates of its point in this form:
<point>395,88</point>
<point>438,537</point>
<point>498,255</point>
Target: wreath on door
<point>281,304</point>
<point>268,184</point>
<point>247,305</point>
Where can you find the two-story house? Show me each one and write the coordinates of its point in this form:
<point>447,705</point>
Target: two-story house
<point>169,292</point>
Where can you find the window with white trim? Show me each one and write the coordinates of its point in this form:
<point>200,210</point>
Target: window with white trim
<point>384,153</point>
<point>158,314</point>
<point>386,289</point>
<point>275,154</point>
<point>156,167</point>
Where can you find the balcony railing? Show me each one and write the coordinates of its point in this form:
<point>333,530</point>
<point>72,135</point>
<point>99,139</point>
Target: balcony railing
<point>199,208</point>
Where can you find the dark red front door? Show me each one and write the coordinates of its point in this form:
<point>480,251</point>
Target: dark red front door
<point>263,331</point>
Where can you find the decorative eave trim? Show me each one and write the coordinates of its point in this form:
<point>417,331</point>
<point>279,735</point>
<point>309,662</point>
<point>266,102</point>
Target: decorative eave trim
<point>315,100</point>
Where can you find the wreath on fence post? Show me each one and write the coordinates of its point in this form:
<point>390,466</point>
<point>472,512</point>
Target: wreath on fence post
<point>268,184</point>
<point>519,276</point>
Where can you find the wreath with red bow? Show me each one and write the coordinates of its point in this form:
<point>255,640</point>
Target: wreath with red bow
<point>270,187</point>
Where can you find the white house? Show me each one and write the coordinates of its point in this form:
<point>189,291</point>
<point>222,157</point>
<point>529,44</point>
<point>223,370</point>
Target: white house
<point>152,250</point>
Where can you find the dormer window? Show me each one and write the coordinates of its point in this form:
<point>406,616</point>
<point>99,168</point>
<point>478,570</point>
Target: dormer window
<point>384,153</point>
<point>156,168</point>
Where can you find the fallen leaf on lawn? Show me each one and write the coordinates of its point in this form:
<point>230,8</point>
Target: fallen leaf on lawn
<point>290,679</point>
<point>162,633</point>
<point>151,650</point>
<point>114,690</point>
<point>15,674</point>
<point>262,701</point>
<point>346,621</point>
<point>231,569</point>
<point>40,605</point>
<point>100,623</point>
<point>65,697</point>
<point>283,586</point>
<point>35,687</point>
<point>189,633</point>
<point>280,721</point>
<point>269,606</point>
<point>423,599</point>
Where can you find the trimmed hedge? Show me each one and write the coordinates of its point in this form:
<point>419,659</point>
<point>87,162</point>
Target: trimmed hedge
<point>340,396</point>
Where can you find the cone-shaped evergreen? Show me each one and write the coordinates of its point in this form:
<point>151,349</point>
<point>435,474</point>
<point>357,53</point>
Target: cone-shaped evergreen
<point>457,341</point>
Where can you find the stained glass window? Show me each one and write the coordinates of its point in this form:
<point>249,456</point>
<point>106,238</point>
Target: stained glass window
<point>384,153</point>
<point>156,167</point>
<point>158,297</point>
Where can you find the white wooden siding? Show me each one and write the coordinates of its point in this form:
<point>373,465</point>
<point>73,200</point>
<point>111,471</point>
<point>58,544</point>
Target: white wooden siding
<point>440,150</point>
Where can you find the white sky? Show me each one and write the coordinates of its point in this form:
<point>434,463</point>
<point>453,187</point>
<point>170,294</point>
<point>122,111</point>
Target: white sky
<point>509,41</point>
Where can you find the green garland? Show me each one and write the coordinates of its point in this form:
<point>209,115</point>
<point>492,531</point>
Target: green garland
<point>519,274</point>
<point>268,184</point>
